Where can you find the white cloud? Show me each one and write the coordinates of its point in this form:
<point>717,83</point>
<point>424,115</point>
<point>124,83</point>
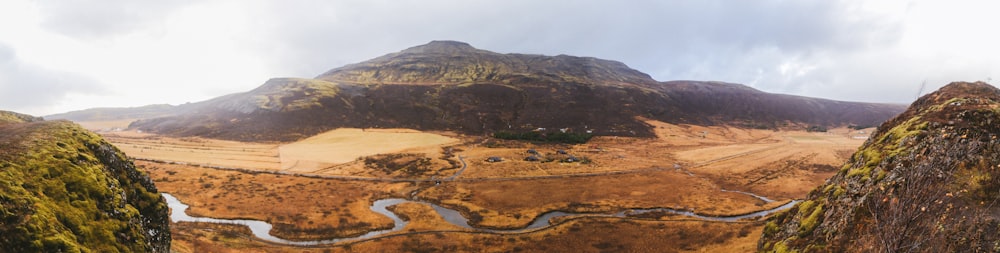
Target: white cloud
<point>130,53</point>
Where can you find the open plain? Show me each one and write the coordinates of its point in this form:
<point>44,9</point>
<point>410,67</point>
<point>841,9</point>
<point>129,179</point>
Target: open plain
<point>336,176</point>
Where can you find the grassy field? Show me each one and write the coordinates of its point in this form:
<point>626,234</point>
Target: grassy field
<point>200,151</point>
<point>348,144</point>
<point>685,167</point>
<point>301,208</point>
<point>338,152</point>
<point>578,235</point>
<point>788,168</point>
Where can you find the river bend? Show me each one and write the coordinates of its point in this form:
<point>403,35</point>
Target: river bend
<point>261,229</point>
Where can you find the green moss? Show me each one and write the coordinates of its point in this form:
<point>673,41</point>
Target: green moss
<point>57,196</point>
<point>834,190</point>
<point>889,145</point>
<point>781,247</point>
<point>808,223</point>
<point>770,228</point>
<point>805,206</point>
<point>880,175</point>
<point>293,94</point>
<point>13,117</point>
<point>839,191</point>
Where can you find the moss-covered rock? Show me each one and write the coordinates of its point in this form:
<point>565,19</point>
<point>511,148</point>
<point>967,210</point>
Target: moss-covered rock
<point>924,182</point>
<point>64,189</point>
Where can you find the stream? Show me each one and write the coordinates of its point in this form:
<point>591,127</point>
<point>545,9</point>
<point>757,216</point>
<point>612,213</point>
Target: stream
<point>261,229</point>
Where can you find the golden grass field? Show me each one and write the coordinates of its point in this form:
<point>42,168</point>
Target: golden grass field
<point>199,151</point>
<point>685,167</point>
<point>347,144</point>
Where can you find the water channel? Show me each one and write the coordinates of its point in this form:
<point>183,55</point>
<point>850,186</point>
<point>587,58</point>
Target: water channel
<point>261,229</point>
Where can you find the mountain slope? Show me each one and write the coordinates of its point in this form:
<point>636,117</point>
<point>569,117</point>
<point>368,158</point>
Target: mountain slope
<point>64,189</point>
<point>927,181</point>
<point>13,117</point>
<point>448,85</point>
<point>104,114</point>
<point>449,62</point>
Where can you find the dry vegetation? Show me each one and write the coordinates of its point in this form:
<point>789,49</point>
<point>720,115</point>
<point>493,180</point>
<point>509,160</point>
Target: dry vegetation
<point>107,125</point>
<point>348,144</point>
<point>193,150</point>
<point>786,165</point>
<point>300,208</point>
<point>577,235</point>
<point>685,167</point>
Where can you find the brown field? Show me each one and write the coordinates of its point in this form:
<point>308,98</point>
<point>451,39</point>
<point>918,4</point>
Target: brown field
<point>515,203</point>
<point>686,167</point>
<point>788,168</point>
<point>577,235</point>
<point>334,153</point>
<point>345,145</point>
<point>193,150</point>
<point>301,208</point>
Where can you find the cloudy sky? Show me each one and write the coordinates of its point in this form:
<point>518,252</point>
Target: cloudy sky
<point>62,55</point>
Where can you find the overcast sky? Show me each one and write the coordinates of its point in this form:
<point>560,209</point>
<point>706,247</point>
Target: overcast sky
<point>62,55</point>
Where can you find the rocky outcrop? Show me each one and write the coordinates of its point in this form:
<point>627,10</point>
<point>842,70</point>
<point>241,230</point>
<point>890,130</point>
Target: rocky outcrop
<point>64,189</point>
<point>926,181</point>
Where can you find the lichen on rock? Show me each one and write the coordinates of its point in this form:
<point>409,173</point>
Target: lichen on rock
<point>924,182</point>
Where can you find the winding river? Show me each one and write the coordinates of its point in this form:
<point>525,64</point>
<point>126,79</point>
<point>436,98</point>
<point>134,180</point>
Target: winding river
<point>262,229</point>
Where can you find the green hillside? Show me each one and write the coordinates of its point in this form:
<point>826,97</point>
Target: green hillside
<point>64,189</point>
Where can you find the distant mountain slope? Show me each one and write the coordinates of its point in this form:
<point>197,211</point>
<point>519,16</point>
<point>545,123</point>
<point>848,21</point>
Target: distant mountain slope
<point>446,85</point>
<point>105,114</point>
<point>728,103</point>
<point>927,180</point>
<point>64,189</point>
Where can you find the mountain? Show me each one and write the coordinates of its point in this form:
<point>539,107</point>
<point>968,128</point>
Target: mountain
<point>447,85</point>
<point>927,180</point>
<point>64,189</point>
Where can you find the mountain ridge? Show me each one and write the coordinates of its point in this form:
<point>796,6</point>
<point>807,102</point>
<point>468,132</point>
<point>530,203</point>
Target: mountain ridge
<point>465,64</point>
<point>452,86</point>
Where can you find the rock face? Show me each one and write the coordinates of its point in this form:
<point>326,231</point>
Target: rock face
<point>926,181</point>
<point>447,85</point>
<point>64,189</point>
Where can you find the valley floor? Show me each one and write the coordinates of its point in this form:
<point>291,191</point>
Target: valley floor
<point>326,193</point>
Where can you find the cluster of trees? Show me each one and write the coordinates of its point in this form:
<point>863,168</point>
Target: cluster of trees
<point>816,129</point>
<point>560,137</point>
